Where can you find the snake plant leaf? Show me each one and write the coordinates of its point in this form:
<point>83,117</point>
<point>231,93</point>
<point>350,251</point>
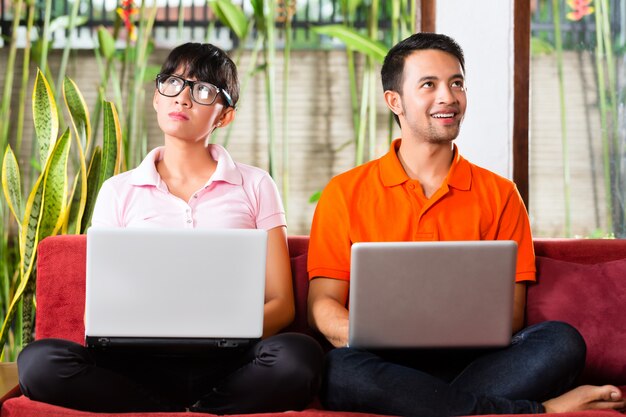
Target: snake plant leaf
<point>106,42</point>
<point>43,205</point>
<point>231,16</point>
<point>78,111</point>
<point>354,40</point>
<point>11,184</point>
<point>46,198</point>
<point>45,117</point>
<point>55,189</point>
<point>71,225</point>
<point>28,237</point>
<point>93,186</point>
<point>111,143</point>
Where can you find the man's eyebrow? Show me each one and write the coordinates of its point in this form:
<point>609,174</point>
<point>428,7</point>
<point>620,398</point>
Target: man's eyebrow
<point>428,78</point>
<point>435,78</point>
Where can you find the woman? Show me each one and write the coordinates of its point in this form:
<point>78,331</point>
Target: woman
<point>187,183</point>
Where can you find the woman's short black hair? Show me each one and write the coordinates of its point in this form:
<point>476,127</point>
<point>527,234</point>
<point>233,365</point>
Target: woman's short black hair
<point>204,62</point>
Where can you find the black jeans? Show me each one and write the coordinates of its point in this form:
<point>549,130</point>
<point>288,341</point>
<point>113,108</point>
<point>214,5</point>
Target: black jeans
<point>542,362</point>
<point>280,373</point>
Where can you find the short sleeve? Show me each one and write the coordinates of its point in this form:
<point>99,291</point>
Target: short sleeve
<point>270,211</point>
<point>106,210</point>
<point>515,225</point>
<point>330,243</point>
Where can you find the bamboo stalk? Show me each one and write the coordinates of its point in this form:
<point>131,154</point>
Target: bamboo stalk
<point>373,32</point>
<point>248,75</point>
<point>270,82</point>
<point>21,107</point>
<point>43,59</point>
<point>564,142</point>
<point>67,48</point>
<point>285,107</point>
<point>5,110</point>
<point>606,147</point>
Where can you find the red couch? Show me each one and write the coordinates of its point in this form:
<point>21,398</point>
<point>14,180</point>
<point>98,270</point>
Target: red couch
<point>582,282</point>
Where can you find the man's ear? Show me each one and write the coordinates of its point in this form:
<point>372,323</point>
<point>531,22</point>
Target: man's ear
<point>226,117</point>
<point>393,101</point>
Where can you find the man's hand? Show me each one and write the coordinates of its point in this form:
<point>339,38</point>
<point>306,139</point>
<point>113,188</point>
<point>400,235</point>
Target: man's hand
<point>327,309</point>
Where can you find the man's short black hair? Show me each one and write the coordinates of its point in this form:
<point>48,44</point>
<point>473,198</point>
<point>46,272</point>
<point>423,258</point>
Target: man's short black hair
<point>204,62</point>
<point>393,66</point>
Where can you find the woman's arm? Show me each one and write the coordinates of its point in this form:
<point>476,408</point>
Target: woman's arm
<point>279,303</point>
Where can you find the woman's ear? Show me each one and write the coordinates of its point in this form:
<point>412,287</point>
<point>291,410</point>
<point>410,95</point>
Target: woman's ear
<point>226,117</point>
<point>155,99</point>
<point>393,101</point>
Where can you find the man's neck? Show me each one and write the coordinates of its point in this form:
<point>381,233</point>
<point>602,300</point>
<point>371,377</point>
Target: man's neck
<point>426,162</point>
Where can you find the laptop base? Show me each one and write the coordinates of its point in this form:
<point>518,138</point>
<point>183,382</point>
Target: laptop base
<point>170,345</point>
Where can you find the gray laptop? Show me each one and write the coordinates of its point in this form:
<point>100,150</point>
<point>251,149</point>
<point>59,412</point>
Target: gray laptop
<point>174,289</point>
<point>432,294</point>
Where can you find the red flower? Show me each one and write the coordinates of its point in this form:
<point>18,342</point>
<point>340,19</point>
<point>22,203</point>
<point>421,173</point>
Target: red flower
<point>580,8</point>
<point>126,11</point>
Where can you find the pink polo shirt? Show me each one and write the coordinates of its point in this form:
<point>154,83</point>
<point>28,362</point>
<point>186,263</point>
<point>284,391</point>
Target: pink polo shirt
<point>236,196</point>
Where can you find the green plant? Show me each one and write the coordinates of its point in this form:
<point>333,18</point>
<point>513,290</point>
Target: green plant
<point>564,142</point>
<point>49,208</point>
<point>373,51</point>
<point>127,72</point>
<point>264,20</point>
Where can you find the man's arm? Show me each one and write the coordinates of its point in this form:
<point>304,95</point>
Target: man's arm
<point>519,306</point>
<point>327,309</point>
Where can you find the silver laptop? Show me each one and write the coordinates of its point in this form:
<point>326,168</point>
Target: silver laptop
<point>174,289</point>
<point>432,294</point>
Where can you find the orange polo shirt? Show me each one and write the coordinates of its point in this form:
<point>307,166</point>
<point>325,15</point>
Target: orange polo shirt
<point>378,202</point>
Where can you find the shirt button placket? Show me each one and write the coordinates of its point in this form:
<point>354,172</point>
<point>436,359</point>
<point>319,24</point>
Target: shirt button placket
<point>188,218</point>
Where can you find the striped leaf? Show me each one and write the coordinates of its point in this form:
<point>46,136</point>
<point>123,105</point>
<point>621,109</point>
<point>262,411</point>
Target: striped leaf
<point>80,120</point>
<point>45,117</point>
<point>231,16</point>
<point>354,40</point>
<point>111,143</point>
<point>46,201</point>
<point>93,186</point>
<point>78,111</point>
<point>11,184</point>
<point>28,237</point>
<point>55,189</point>
<point>78,199</point>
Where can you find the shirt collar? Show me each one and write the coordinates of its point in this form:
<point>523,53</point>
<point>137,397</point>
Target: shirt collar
<point>392,173</point>
<point>146,173</point>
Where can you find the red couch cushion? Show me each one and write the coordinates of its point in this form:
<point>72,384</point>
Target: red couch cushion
<point>592,298</point>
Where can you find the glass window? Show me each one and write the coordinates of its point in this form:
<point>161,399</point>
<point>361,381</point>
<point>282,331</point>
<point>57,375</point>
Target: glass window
<point>578,126</point>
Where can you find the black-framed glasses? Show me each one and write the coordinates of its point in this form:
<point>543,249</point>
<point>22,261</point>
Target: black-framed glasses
<point>201,92</point>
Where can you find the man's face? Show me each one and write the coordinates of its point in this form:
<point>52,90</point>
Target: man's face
<point>433,97</point>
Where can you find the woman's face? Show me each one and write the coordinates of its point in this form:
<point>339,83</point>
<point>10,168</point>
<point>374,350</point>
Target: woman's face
<point>180,117</point>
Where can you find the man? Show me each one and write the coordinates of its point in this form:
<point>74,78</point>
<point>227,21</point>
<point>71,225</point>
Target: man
<point>424,190</point>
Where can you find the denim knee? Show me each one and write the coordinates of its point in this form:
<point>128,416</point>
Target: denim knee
<point>342,384</point>
<point>562,341</point>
